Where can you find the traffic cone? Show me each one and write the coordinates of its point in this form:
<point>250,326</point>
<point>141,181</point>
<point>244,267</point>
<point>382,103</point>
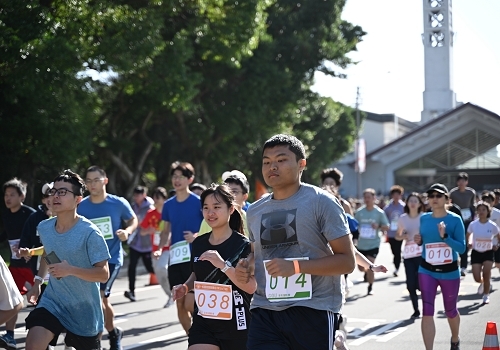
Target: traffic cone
<point>491,337</point>
<point>152,280</point>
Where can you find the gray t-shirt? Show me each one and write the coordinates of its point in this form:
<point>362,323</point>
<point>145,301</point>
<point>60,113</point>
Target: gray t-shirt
<point>465,200</point>
<point>298,226</point>
<point>74,302</point>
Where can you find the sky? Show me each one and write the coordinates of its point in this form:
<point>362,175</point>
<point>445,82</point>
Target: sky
<point>390,68</point>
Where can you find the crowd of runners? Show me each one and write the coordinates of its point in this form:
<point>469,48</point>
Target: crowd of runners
<point>240,275</point>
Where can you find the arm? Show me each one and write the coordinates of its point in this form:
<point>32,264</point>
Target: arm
<point>367,264</point>
<point>341,262</point>
<point>123,234</point>
<point>147,231</point>
<point>347,207</point>
<point>98,273</point>
<point>467,237</point>
<point>456,239</point>
<point>34,293</point>
<point>180,290</point>
<point>164,238</point>
<point>400,234</point>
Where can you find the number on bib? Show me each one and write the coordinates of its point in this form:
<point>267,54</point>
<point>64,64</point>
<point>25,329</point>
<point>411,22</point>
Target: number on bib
<point>180,253</point>
<point>412,250</point>
<point>214,300</point>
<point>104,225</point>
<point>367,231</point>
<point>483,245</point>
<point>295,287</point>
<point>438,253</point>
<point>14,247</point>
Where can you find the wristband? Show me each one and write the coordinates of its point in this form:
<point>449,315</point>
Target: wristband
<point>296,266</point>
<point>32,252</point>
<point>38,278</point>
<point>371,267</point>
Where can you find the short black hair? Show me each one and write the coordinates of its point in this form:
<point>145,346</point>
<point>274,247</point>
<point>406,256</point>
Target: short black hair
<point>333,173</point>
<point>198,186</point>
<point>293,143</point>
<point>74,179</point>
<point>463,176</point>
<point>243,183</point>
<point>160,192</point>
<point>94,168</point>
<point>141,190</point>
<point>184,167</point>
<point>17,184</point>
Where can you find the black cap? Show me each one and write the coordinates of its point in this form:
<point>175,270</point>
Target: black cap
<point>440,188</point>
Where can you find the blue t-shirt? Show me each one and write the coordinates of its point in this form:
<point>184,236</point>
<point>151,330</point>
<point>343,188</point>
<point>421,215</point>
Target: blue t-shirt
<point>74,302</point>
<point>108,216</point>
<point>182,216</point>
<point>353,223</point>
<point>455,240</point>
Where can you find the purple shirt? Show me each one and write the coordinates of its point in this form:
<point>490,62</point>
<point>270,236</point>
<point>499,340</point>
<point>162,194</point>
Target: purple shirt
<point>393,211</point>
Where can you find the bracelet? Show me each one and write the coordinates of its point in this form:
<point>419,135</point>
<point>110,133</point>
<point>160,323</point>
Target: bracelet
<point>371,267</point>
<point>32,252</point>
<point>296,266</point>
<point>38,278</point>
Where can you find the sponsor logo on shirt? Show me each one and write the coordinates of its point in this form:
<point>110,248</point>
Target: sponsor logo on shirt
<point>241,320</point>
<point>278,229</point>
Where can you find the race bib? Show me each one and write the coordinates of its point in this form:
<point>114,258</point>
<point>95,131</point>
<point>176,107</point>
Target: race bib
<point>482,245</point>
<point>295,287</point>
<point>214,300</point>
<point>156,238</point>
<point>180,253</point>
<point>438,253</point>
<point>14,247</point>
<point>394,225</point>
<point>367,231</point>
<point>466,214</point>
<point>104,225</point>
<point>412,250</point>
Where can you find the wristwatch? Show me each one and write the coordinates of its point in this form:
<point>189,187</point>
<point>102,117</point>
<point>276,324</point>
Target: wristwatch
<point>38,278</point>
<point>228,265</point>
<point>445,236</point>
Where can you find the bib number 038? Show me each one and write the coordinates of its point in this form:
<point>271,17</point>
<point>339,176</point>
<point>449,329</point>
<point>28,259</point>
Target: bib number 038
<point>214,300</point>
<point>295,287</point>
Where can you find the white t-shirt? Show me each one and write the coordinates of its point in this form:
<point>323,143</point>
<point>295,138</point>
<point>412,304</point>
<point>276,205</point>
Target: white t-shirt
<point>495,216</point>
<point>411,226</point>
<point>482,232</point>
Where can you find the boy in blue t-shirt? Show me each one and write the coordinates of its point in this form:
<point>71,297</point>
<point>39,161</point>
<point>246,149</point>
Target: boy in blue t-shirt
<point>182,217</point>
<point>107,212</point>
<point>76,256</point>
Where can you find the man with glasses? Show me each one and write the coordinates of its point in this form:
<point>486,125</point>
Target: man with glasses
<point>107,212</point>
<point>181,217</point>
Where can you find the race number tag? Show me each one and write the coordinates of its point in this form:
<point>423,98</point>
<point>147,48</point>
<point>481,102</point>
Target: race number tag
<point>367,231</point>
<point>466,214</point>
<point>482,245</point>
<point>214,300</point>
<point>156,238</point>
<point>104,225</point>
<point>180,253</point>
<point>438,253</point>
<point>412,250</point>
<point>394,225</point>
<point>295,287</point>
<point>14,247</point>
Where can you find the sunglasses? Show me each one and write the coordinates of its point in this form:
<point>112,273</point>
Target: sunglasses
<point>437,195</point>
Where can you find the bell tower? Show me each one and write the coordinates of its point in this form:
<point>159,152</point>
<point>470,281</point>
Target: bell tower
<point>438,96</point>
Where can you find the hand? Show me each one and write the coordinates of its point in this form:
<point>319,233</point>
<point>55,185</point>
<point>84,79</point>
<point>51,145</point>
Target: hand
<point>189,236</point>
<point>469,246</point>
<point>24,253</point>
<point>33,293</point>
<point>157,253</point>
<point>122,235</point>
<point>417,239</point>
<point>374,225</point>
<point>60,270</point>
<point>442,229</point>
<point>379,268</point>
<point>243,271</point>
<point>214,257</point>
<point>280,268</point>
<point>179,291</point>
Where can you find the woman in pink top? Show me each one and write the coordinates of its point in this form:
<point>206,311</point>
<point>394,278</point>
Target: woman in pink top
<point>408,226</point>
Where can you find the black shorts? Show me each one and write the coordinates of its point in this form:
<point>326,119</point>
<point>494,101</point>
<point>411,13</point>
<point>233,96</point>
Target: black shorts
<point>479,258</point>
<point>371,252</point>
<point>41,317</point>
<point>179,273</point>
<point>297,328</point>
<point>114,269</point>
<point>199,334</point>
<point>497,255</point>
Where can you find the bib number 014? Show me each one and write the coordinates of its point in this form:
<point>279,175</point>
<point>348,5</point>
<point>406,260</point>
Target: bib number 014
<point>295,287</point>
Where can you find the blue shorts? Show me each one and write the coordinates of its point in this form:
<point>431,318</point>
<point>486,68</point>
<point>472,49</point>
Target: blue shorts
<point>114,269</point>
<point>298,328</point>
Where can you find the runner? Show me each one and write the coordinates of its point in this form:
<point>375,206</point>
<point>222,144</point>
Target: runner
<point>442,236</point>
<point>394,210</point>
<point>152,225</point>
<point>490,198</point>
<point>332,177</point>
<point>107,212</point>
<point>301,236</point>
<point>372,221</point>
<point>181,217</point>
<point>408,227</point>
<point>11,301</point>
<point>77,260</point>
<point>222,324</point>
<point>483,231</point>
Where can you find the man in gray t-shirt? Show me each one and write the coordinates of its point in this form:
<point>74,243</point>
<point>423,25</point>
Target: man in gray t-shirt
<point>302,247</point>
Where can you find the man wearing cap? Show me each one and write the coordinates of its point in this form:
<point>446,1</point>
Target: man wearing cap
<point>442,237</point>
<point>465,198</point>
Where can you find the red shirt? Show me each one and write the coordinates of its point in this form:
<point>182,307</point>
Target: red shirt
<point>153,219</point>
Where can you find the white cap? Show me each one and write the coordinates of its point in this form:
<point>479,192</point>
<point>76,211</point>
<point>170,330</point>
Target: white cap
<point>235,173</point>
<point>47,187</point>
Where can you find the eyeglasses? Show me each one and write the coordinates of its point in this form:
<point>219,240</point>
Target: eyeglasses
<point>437,195</point>
<point>236,192</point>
<point>179,177</point>
<point>93,181</point>
<point>60,192</point>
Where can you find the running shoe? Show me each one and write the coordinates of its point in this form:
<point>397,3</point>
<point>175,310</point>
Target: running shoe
<point>416,314</point>
<point>486,299</point>
<point>341,340</point>
<point>8,342</point>
<point>129,295</point>
<point>370,290</point>
<point>115,339</point>
<point>395,273</point>
<point>463,271</point>
<point>480,289</point>
<point>455,346</point>
<point>169,303</point>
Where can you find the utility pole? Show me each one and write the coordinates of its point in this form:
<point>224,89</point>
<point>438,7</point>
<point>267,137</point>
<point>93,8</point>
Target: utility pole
<point>356,148</point>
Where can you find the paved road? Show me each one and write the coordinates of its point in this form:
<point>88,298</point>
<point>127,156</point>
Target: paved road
<point>380,321</point>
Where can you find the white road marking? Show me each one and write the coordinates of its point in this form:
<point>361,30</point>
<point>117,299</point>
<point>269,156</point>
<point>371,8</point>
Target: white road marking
<point>375,335</point>
<point>170,336</point>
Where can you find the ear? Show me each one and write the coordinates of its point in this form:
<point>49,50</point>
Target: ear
<point>302,164</point>
<point>245,196</point>
<point>190,180</point>
<point>78,199</point>
<point>231,209</point>
<point>106,180</point>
